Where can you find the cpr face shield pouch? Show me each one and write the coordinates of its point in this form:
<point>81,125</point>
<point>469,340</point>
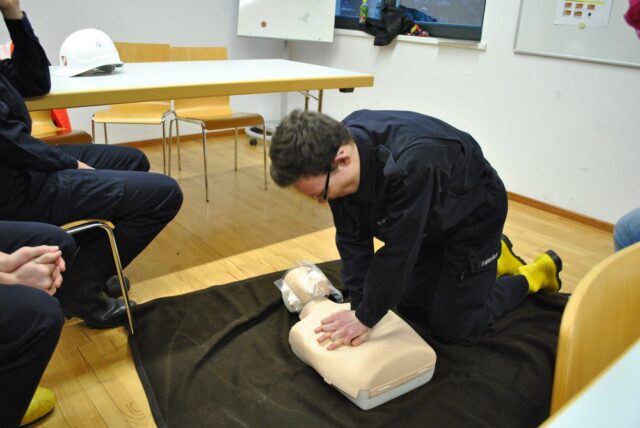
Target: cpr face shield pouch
<point>304,283</point>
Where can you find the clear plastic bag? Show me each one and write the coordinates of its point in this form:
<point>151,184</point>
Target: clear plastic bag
<point>303,283</point>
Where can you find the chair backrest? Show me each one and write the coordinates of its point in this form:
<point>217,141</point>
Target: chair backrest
<point>143,52</point>
<point>42,123</point>
<point>213,105</point>
<point>601,320</point>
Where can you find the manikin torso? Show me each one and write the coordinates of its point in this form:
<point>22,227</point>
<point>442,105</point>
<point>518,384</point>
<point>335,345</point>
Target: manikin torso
<point>393,361</point>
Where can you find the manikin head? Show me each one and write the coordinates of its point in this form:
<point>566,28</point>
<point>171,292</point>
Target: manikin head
<point>316,155</point>
<point>304,284</point>
<point>307,284</point>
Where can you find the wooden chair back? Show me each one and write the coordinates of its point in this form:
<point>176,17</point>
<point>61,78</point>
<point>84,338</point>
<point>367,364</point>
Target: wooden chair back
<point>143,52</point>
<point>44,128</point>
<point>201,107</point>
<point>42,123</point>
<point>601,320</point>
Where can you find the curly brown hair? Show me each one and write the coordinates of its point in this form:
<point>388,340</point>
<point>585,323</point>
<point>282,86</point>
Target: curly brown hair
<point>304,144</point>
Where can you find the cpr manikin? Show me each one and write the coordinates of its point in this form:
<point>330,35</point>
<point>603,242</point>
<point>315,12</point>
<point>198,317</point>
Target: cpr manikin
<point>393,361</point>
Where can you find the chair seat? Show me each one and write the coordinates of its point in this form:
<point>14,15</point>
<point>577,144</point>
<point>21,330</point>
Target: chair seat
<point>65,136</point>
<point>150,113</point>
<point>227,121</point>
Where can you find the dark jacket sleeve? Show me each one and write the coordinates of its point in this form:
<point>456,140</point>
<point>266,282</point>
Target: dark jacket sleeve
<point>28,68</point>
<point>28,73</point>
<point>413,188</point>
<point>356,251</point>
<point>20,150</point>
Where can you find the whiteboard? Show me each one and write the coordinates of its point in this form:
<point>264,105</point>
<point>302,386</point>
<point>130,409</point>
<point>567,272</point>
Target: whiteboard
<point>538,34</point>
<point>310,20</point>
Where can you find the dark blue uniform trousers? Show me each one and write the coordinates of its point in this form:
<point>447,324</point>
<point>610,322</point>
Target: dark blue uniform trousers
<point>30,322</point>
<point>453,287</point>
<point>120,190</point>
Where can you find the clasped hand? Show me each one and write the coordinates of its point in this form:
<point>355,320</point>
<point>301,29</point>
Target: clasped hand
<point>343,328</point>
<point>38,267</point>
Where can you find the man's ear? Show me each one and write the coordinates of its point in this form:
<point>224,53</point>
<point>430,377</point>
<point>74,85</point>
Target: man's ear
<point>344,156</point>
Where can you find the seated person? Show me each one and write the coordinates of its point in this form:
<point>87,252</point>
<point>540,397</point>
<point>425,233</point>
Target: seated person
<point>57,185</point>
<point>30,317</point>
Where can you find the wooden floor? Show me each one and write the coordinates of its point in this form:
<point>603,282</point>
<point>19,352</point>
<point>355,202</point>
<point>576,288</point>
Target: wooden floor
<point>243,232</point>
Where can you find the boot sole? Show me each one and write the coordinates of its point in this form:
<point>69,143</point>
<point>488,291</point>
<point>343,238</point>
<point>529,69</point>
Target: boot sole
<point>558,262</point>
<point>98,326</point>
<point>91,324</point>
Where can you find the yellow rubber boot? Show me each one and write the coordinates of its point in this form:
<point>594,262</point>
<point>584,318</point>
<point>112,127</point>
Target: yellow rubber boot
<point>41,405</point>
<point>544,273</point>
<point>508,262</point>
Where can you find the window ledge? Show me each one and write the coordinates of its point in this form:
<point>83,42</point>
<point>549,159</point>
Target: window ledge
<point>450,43</point>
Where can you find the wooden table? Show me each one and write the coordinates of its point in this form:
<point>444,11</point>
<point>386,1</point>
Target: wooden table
<point>137,82</point>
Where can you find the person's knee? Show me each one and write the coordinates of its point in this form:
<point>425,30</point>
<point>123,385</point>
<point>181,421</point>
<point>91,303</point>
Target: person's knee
<point>138,161</point>
<point>174,192</point>
<point>54,235</point>
<point>142,161</point>
<point>51,316</point>
<point>66,243</point>
<point>168,191</point>
<point>46,318</point>
<point>448,329</point>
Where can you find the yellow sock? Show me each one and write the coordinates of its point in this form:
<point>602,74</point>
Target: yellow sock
<point>508,262</point>
<point>543,273</point>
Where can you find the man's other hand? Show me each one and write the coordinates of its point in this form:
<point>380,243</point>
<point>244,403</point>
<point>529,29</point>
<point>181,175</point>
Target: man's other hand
<point>343,328</point>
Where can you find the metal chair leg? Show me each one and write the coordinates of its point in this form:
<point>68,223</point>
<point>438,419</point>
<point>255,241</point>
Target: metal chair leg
<point>235,160</point>
<point>164,144</point>
<point>320,94</point>
<point>164,149</point>
<point>116,260</point>
<point>93,129</point>
<point>204,151</point>
<point>178,145</point>
<point>106,138</point>
<point>169,154</point>
<point>264,142</point>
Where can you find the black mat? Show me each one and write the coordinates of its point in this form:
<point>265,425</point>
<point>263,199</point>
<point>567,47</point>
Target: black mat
<point>220,357</point>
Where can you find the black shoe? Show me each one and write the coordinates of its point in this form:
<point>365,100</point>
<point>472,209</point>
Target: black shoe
<point>112,286</point>
<point>107,313</point>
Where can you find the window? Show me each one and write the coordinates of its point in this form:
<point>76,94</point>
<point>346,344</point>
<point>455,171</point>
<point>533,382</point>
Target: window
<point>454,19</point>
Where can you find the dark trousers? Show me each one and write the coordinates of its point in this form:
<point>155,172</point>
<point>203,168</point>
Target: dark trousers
<point>120,190</point>
<point>453,286</point>
<point>30,322</point>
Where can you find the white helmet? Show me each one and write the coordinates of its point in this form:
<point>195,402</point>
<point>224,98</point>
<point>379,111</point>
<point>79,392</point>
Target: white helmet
<point>86,50</point>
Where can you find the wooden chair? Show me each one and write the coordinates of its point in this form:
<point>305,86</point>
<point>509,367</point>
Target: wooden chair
<point>211,113</point>
<point>144,113</point>
<point>601,320</point>
<point>43,128</point>
<point>108,227</point>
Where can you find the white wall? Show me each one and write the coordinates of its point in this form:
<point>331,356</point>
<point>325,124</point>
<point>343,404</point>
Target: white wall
<point>559,131</point>
<point>179,23</point>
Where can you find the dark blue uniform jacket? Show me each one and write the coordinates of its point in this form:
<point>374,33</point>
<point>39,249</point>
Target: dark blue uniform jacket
<point>422,181</point>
